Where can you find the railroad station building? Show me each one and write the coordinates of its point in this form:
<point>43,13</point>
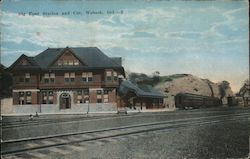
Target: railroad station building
<point>82,79</point>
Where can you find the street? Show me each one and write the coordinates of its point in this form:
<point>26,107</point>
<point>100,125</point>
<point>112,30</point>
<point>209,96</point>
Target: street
<point>200,133</point>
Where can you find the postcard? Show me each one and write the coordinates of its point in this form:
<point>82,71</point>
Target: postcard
<point>124,79</point>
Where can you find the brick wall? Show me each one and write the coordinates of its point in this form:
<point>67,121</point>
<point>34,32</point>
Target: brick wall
<point>34,98</point>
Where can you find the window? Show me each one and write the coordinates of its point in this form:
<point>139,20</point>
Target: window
<point>108,75</point>
<point>72,77</point>
<point>28,97</point>
<point>52,77</point>
<point>99,92</point>
<point>76,62</point>
<point>27,77</point>
<point>99,96</point>
<point>90,76</point>
<point>24,98</point>
<point>87,76</point>
<point>49,78</point>
<point>115,76</point>
<point>106,91</point>
<point>47,97</point>
<point>83,96</point>
<point>60,62</point>
<point>84,77</point>
<point>66,78</point>
<point>79,97</point>
<point>68,62</point>
<point>111,76</point>
<point>86,91</point>
<point>51,97</point>
<point>44,97</point>
<point>106,95</point>
<point>46,78</point>
<point>21,98</point>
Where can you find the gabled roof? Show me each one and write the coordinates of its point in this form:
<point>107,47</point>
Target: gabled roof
<point>45,58</point>
<point>117,60</point>
<point>139,90</point>
<point>2,67</point>
<point>92,57</point>
<point>32,62</point>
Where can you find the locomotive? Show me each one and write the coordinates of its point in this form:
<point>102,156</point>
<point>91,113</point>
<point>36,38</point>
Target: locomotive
<point>189,100</point>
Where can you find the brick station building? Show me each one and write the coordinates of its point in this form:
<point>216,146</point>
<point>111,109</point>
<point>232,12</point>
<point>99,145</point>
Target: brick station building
<point>59,80</point>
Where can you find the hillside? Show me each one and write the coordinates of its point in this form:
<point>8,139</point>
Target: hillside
<point>173,84</point>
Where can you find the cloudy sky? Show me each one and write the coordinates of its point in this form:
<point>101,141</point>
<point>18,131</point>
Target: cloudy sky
<point>208,39</point>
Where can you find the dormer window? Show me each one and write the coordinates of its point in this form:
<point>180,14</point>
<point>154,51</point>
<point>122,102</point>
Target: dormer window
<point>70,62</point>
<point>65,62</point>
<point>76,62</point>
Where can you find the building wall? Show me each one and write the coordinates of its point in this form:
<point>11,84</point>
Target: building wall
<point>26,109</point>
<point>98,81</point>
<point>6,106</point>
<point>141,103</point>
<point>34,96</point>
<point>32,84</point>
<point>91,107</point>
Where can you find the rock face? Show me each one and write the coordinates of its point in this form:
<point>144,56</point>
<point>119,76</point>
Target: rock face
<point>174,84</point>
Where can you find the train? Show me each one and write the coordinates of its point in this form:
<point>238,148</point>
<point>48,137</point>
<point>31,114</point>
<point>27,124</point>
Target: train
<point>189,100</point>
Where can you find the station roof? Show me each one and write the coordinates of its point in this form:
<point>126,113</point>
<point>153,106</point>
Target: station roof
<point>140,90</point>
<point>91,57</point>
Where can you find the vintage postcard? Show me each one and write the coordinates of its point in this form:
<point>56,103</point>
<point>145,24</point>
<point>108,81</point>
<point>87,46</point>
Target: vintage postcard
<point>124,79</point>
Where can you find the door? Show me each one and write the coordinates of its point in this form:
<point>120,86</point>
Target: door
<point>65,101</point>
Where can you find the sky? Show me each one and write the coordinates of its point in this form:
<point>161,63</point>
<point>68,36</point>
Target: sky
<point>209,39</point>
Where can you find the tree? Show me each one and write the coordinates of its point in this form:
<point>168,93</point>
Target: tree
<point>224,85</point>
<point>5,84</point>
<point>156,77</point>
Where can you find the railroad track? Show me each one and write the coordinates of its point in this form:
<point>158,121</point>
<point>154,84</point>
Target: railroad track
<point>41,121</point>
<point>13,147</point>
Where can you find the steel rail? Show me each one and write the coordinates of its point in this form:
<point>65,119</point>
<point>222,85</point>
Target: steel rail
<point>159,126</point>
<point>76,119</point>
